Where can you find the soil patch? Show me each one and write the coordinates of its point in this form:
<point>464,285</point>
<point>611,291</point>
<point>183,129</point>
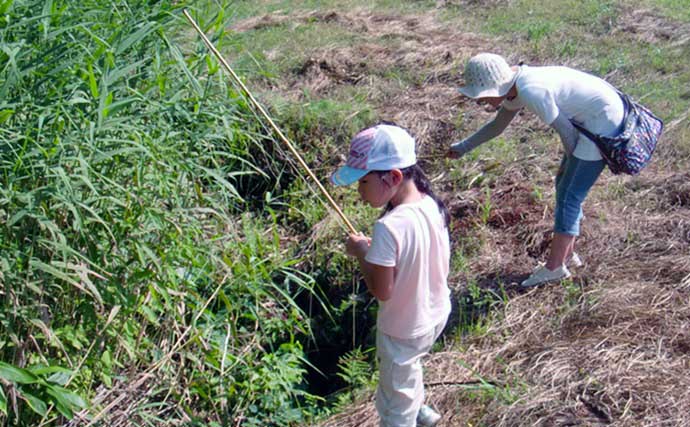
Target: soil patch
<point>647,26</point>
<point>424,54</point>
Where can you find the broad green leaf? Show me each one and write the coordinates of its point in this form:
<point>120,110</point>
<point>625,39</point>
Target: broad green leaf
<point>17,375</point>
<point>146,29</point>
<point>175,51</point>
<point>112,77</point>
<point>78,98</point>
<point>84,284</point>
<point>46,15</point>
<point>149,314</point>
<point>107,379</point>
<point>105,103</point>
<point>5,115</point>
<point>212,65</point>
<point>60,378</point>
<point>44,370</point>
<point>17,217</point>
<point>107,359</point>
<point>93,86</point>
<point>116,106</point>
<point>58,374</point>
<point>66,401</point>
<point>37,405</point>
<point>5,6</point>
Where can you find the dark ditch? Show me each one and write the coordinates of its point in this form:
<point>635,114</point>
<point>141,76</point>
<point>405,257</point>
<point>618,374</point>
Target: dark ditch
<point>335,337</point>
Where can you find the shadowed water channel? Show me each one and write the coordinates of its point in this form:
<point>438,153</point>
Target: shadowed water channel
<point>335,337</point>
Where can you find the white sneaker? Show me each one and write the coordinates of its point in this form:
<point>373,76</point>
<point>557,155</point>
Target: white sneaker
<point>543,275</point>
<point>575,260</point>
<point>427,417</point>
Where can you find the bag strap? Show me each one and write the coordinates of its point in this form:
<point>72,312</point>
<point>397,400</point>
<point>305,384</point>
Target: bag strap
<point>594,138</point>
<point>627,105</point>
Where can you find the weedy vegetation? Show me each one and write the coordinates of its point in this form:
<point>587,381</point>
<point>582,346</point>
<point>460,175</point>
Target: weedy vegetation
<point>163,262</point>
<point>141,245</point>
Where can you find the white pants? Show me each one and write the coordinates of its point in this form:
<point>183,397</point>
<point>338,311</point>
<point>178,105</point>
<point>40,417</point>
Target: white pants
<point>400,393</point>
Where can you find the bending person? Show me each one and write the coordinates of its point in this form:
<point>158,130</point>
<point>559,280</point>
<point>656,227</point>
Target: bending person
<point>556,95</point>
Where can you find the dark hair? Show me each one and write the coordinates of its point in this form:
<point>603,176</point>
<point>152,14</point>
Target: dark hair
<point>423,185</point>
<point>416,173</point>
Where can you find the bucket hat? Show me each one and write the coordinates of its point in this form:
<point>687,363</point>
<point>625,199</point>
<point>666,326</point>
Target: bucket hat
<point>378,148</point>
<point>487,75</point>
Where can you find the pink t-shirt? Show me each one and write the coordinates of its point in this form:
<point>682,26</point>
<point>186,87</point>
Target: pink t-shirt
<point>413,238</point>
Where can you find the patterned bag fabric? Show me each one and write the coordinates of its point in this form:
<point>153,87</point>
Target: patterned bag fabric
<point>632,149</point>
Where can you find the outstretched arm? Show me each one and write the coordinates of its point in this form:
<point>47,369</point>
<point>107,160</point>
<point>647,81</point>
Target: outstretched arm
<point>487,132</point>
<point>568,133</point>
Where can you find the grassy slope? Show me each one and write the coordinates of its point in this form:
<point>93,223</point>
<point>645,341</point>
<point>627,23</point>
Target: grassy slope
<point>607,347</point>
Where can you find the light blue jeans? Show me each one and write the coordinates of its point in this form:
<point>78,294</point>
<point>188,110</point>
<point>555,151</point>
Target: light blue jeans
<point>575,178</point>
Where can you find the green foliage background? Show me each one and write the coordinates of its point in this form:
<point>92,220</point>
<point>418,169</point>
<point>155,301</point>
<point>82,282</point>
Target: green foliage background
<point>153,238</point>
<point>137,233</point>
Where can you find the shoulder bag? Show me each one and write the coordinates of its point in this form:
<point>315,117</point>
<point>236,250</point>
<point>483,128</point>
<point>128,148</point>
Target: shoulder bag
<point>631,150</point>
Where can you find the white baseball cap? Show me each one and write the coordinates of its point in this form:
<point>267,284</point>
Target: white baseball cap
<point>378,148</point>
<point>487,75</point>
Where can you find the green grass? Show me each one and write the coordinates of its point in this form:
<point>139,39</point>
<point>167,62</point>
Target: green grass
<point>533,21</point>
<point>135,222</point>
<point>322,124</point>
<point>674,9</point>
<point>278,49</point>
<point>246,9</point>
<point>146,210</point>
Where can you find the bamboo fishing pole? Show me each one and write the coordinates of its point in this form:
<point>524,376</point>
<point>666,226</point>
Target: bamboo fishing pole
<point>275,128</point>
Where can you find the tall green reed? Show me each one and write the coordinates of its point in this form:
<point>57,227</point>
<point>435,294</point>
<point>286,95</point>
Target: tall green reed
<point>132,225</point>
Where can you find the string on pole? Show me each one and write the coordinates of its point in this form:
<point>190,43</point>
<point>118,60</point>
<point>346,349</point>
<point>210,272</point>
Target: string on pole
<point>275,128</point>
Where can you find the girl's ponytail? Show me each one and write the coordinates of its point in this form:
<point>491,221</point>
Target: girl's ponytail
<point>424,186</point>
<point>416,174</point>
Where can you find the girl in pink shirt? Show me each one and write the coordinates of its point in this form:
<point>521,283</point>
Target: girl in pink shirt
<point>405,266</point>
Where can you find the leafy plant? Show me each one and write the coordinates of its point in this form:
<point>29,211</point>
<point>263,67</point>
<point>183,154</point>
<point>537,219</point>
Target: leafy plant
<point>476,306</point>
<point>485,207</point>
<point>134,223</point>
<point>354,367</point>
<point>39,387</point>
<point>486,389</point>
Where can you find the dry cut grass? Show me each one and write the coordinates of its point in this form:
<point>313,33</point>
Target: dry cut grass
<point>609,347</point>
<point>612,347</point>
